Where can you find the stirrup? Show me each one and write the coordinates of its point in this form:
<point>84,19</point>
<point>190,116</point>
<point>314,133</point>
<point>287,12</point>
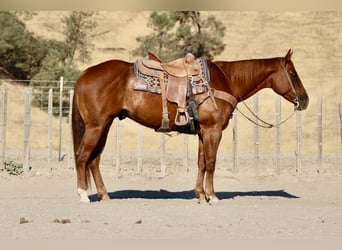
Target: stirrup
<point>182,117</point>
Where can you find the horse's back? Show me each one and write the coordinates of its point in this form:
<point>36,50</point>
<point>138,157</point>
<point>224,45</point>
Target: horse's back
<point>105,72</point>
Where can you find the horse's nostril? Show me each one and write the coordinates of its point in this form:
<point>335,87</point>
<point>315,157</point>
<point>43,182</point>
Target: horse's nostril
<point>297,103</point>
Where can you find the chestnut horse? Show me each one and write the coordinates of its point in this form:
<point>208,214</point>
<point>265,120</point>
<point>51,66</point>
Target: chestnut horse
<point>105,91</point>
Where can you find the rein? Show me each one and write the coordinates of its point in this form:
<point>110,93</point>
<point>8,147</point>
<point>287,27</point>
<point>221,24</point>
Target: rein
<point>265,124</point>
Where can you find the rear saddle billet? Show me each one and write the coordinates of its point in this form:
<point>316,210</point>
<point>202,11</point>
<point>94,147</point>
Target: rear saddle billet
<point>176,81</point>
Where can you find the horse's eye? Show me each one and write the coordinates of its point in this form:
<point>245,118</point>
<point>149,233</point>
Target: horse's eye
<point>293,73</point>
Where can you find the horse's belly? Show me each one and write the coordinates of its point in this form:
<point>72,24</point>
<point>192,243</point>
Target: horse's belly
<point>146,109</point>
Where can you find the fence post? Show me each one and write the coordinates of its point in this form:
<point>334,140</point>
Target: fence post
<point>277,143</point>
<point>50,118</point>
<point>118,147</point>
<point>60,118</point>
<point>256,134</point>
<point>186,153</point>
<point>340,111</point>
<point>3,126</point>
<point>162,157</point>
<point>70,154</point>
<point>299,141</point>
<point>140,148</point>
<point>319,132</point>
<point>235,167</point>
<point>27,126</point>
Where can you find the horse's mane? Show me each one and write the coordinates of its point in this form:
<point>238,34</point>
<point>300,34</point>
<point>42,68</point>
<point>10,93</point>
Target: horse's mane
<point>245,70</point>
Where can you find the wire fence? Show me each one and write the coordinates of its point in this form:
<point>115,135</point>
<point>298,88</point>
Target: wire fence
<point>35,132</point>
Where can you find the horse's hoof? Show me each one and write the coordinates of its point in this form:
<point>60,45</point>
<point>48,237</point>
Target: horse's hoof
<point>201,199</point>
<point>213,200</point>
<point>105,197</point>
<point>83,195</point>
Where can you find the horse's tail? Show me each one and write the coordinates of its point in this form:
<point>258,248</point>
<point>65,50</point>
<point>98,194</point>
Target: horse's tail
<point>78,129</point>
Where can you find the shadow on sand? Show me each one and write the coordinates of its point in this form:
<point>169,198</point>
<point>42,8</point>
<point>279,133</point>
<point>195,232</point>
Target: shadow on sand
<point>188,195</point>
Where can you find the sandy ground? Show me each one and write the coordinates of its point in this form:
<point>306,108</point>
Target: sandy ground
<point>44,205</point>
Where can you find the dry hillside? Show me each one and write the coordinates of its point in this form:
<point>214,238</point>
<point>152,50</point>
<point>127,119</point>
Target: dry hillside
<point>315,37</point>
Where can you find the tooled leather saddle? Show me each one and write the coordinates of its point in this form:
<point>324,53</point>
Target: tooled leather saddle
<point>177,81</point>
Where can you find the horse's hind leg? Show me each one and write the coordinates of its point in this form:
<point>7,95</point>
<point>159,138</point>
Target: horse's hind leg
<point>95,165</point>
<point>84,152</point>
<point>100,187</point>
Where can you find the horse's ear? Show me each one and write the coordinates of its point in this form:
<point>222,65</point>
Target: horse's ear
<point>288,55</point>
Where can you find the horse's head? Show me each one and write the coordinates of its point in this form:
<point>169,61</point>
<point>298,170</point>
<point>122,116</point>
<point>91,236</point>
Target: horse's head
<point>287,83</point>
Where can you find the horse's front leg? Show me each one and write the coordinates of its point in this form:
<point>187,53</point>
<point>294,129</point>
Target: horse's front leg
<point>199,190</point>
<point>211,141</point>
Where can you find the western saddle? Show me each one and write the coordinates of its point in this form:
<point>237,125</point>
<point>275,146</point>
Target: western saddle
<point>177,81</point>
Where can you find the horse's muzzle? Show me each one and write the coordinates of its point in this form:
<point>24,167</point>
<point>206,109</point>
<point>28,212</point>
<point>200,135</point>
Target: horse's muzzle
<point>301,102</point>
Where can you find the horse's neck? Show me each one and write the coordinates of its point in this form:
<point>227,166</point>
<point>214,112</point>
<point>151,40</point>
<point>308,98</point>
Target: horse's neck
<point>249,76</point>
